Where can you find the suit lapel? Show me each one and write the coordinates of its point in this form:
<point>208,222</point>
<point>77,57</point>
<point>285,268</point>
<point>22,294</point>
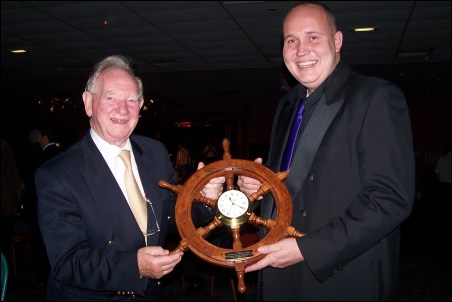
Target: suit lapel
<point>324,113</point>
<point>309,142</point>
<point>283,119</point>
<point>284,116</point>
<point>107,193</point>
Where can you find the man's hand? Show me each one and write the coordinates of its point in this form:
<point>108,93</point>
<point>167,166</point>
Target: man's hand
<point>214,188</point>
<point>155,262</point>
<point>281,254</point>
<point>249,185</point>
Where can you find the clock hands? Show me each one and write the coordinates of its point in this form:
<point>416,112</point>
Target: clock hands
<point>242,207</point>
<point>235,204</point>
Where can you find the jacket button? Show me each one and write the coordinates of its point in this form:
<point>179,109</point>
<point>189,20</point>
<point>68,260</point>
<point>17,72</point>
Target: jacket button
<point>109,242</point>
<point>303,212</point>
<point>311,177</point>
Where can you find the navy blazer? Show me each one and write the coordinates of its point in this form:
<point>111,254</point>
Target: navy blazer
<point>90,233</point>
<point>352,184</point>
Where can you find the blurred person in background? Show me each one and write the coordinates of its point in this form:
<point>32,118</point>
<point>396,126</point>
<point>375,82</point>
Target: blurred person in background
<point>49,147</point>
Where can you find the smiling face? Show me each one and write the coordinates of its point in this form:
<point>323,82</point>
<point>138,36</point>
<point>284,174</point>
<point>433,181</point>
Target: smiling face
<point>311,45</point>
<point>114,107</point>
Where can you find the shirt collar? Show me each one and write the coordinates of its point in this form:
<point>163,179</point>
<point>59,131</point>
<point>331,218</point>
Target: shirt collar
<point>109,152</point>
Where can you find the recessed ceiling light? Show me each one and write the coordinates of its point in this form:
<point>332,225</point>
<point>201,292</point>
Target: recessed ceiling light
<point>363,29</point>
<point>18,51</point>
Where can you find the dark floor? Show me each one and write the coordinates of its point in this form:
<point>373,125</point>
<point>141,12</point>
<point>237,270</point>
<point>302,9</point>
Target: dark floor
<point>425,269</point>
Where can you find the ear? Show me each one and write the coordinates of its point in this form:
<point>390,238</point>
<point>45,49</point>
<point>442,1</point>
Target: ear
<point>338,40</point>
<point>88,101</point>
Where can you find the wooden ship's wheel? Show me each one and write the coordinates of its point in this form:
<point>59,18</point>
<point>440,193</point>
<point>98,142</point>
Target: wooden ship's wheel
<point>232,209</point>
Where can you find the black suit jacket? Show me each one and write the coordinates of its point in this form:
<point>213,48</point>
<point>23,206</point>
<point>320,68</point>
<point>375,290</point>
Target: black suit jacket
<point>89,231</point>
<point>352,183</point>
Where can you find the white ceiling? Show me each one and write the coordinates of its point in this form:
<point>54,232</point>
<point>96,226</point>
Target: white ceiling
<point>237,39</point>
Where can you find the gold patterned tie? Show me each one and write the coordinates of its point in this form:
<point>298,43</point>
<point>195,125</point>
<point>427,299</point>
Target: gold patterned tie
<point>136,199</point>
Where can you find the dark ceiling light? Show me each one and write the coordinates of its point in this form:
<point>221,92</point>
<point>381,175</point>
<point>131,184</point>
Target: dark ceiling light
<point>164,62</point>
<point>413,54</point>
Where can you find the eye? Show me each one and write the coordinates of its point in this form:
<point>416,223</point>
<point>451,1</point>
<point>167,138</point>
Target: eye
<point>135,102</point>
<point>290,41</point>
<point>313,38</point>
<point>110,99</point>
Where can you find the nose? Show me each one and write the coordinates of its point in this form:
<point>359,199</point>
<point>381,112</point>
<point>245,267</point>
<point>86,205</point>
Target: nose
<point>122,107</point>
<point>301,51</point>
<point>302,48</point>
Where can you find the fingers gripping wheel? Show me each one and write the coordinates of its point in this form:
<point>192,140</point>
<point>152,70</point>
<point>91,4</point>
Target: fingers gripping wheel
<point>232,209</point>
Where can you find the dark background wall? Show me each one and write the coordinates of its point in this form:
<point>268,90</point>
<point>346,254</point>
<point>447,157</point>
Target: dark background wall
<point>244,116</point>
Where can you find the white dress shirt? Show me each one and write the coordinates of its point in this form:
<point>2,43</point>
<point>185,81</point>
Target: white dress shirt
<point>110,154</point>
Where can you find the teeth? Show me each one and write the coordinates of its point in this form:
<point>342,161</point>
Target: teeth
<point>307,64</point>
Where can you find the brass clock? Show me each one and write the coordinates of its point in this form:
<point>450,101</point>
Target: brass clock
<point>233,208</point>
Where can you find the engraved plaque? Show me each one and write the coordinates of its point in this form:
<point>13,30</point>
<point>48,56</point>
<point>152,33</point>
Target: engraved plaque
<point>239,254</point>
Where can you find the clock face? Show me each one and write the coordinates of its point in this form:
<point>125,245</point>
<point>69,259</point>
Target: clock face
<point>233,204</point>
